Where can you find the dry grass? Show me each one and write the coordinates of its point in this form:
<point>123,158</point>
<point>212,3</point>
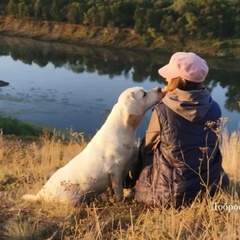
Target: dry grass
<point>26,165</point>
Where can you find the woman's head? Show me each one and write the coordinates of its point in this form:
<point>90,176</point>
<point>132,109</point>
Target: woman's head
<point>187,66</point>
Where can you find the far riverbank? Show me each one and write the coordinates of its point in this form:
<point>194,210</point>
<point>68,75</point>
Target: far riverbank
<point>116,37</point>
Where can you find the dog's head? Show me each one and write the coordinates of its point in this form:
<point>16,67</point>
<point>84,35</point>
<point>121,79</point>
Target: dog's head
<point>136,101</point>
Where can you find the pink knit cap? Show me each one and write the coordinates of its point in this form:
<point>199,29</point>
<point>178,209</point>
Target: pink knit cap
<point>186,65</point>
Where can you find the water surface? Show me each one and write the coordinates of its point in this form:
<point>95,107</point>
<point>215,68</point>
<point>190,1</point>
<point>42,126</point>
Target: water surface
<point>62,85</point>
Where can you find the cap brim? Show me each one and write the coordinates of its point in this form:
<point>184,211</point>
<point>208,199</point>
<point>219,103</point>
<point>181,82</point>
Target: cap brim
<point>167,72</point>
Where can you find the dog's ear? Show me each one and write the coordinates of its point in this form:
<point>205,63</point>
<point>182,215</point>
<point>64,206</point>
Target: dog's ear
<point>133,105</point>
<point>129,101</point>
<point>132,96</point>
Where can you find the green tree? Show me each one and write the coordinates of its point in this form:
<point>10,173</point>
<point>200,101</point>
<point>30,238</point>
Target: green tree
<point>11,8</point>
<point>91,17</point>
<point>55,10</point>
<point>104,15</point>
<point>140,24</point>
<point>74,14</point>
<point>37,7</point>
<point>167,24</point>
<point>191,26</point>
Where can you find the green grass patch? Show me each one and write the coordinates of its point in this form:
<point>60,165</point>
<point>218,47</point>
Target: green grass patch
<point>12,126</point>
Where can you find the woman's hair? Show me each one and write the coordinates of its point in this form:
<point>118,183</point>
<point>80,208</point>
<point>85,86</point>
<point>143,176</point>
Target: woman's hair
<point>183,84</point>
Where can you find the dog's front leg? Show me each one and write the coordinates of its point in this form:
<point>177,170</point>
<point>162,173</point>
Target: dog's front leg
<point>116,181</point>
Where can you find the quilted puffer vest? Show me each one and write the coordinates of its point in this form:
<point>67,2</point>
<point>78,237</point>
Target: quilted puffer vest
<point>186,161</point>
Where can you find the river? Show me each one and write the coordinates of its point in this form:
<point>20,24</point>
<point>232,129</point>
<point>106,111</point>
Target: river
<point>67,86</point>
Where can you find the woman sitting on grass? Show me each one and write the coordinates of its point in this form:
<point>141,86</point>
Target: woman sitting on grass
<point>180,153</point>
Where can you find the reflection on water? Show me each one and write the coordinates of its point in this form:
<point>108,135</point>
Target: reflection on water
<point>65,85</point>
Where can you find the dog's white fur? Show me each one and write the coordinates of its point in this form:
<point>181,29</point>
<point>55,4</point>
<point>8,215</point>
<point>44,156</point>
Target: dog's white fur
<point>109,156</point>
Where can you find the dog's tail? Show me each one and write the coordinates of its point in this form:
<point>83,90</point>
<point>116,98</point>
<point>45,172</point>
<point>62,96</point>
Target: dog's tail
<point>31,197</point>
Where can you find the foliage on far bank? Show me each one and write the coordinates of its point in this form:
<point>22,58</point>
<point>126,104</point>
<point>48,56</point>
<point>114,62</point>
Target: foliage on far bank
<point>194,18</point>
<point>203,26</point>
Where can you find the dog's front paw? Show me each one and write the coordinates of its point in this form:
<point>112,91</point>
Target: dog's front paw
<point>118,197</point>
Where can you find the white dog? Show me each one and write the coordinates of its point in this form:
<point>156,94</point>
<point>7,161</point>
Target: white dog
<point>109,156</point>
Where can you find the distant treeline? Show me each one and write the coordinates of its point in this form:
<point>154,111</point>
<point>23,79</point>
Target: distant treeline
<point>195,18</point>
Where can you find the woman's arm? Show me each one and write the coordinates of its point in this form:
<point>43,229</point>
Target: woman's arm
<point>150,142</point>
<point>153,132</point>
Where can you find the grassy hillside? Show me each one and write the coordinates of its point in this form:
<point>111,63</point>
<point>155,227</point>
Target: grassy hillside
<point>116,37</point>
<point>25,167</point>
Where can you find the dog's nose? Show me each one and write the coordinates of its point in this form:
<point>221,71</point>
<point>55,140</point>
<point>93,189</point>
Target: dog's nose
<point>158,89</point>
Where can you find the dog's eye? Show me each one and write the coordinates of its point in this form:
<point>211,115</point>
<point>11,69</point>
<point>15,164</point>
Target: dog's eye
<point>144,94</point>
